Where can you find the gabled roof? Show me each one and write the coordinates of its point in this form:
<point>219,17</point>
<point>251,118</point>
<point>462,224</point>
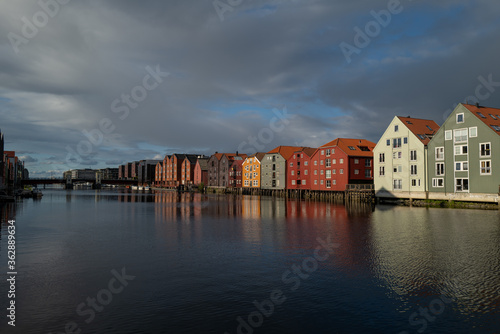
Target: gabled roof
<point>353,147</point>
<point>489,116</point>
<point>286,151</point>
<point>203,163</point>
<point>259,155</point>
<point>423,129</point>
<point>230,156</point>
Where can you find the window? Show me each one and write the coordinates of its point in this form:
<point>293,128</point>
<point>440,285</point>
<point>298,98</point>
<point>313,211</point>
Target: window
<point>400,169</point>
<point>334,182</point>
<point>328,163</point>
<point>291,164</point>
<point>321,162</point>
<point>481,115</point>
<point>415,182</point>
<point>398,184</point>
<point>439,153</point>
<point>448,135</point>
<point>293,172</point>
<point>462,185</point>
<point>460,135</point>
<point>315,162</point>
<point>303,182</point>
<point>306,172</point>
<point>438,183</point>
<point>368,162</point>
<point>428,127</point>
<point>381,171</point>
<point>461,150</point>
<point>328,152</point>
<point>440,169</point>
<point>413,169</point>
<point>473,132</point>
<point>356,171</point>
<point>321,182</point>
<point>352,148</point>
<point>255,183</point>
<point>492,116</point>
<point>341,171</point>
<point>485,150</point>
<point>306,163</point>
<point>485,166</point>
<point>341,161</point>
<point>496,127</point>
<point>368,173</point>
<point>381,157</point>
<point>315,182</point>
<point>315,172</point>
<point>396,143</point>
<point>396,128</point>
<point>388,142</point>
<point>405,140</point>
<point>321,172</point>
<point>413,155</point>
<point>328,183</point>
<point>356,161</point>
<point>460,118</point>
<point>293,182</point>
<point>461,166</point>
<point>334,171</point>
<point>328,174</point>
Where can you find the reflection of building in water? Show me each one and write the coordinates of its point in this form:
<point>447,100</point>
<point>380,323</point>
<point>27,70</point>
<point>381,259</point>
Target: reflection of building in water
<point>271,207</point>
<point>433,252</point>
<point>250,207</point>
<point>7,212</point>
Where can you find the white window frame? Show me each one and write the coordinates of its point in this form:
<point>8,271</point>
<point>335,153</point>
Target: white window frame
<point>456,185</point>
<point>448,135</point>
<point>480,150</point>
<point>461,152</point>
<point>463,118</point>
<point>356,172</point>
<point>413,155</point>
<point>435,182</point>
<point>439,150</point>
<point>328,174</point>
<point>481,167</point>
<point>413,170</point>
<point>473,129</point>
<point>436,169</point>
<point>456,137</point>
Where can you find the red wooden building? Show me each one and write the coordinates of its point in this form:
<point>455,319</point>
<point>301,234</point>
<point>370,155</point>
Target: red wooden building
<point>342,162</point>
<point>201,172</point>
<point>299,169</point>
<point>236,174</point>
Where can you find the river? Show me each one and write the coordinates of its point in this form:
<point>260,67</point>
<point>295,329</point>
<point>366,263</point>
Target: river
<point>103,261</point>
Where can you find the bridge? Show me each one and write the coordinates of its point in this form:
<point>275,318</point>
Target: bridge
<point>35,182</point>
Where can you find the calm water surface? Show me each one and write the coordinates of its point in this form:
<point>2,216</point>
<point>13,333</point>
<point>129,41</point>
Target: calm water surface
<point>212,264</point>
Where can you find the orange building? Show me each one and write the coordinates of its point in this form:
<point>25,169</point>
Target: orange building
<point>251,170</point>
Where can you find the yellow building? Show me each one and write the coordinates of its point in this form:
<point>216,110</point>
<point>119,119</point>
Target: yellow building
<point>251,170</point>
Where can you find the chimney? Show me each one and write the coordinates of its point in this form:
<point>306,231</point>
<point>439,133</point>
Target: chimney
<point>477,105</point>
<point>236,153</point>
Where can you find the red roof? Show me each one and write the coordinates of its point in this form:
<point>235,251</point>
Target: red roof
<point>353,147</point>
<point>286,151</point>
<point>423,129</point>
<point>489,116</point>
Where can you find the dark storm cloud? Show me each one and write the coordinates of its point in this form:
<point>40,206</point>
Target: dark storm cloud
<point>226,77</point>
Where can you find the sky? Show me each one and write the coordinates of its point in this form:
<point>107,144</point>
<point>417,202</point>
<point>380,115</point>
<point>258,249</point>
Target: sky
<point>95,84</point>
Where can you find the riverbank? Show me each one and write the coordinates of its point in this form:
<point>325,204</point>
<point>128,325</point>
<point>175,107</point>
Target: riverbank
<point>448,204</point>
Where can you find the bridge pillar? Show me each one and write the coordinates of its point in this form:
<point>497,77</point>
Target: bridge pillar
<point>98,180</point>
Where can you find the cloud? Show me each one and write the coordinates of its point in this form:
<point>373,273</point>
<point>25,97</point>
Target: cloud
<point>226,77</point>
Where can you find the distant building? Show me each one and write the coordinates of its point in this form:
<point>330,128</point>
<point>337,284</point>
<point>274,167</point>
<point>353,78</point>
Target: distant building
<point>341,162</point>
<point>299,167</point>
<point>146,171</point>
<point>83,174</point>
<point>218,168</point>
<point>235,176</point>
<point>273,167</point>
<point>109,173</point>
<point>201,171</point>
<point>252,170</point>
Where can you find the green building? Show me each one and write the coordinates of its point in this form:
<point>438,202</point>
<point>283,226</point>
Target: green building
<point>464,156</point>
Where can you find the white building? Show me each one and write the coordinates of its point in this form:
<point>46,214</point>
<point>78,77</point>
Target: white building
<point>400,158</point>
